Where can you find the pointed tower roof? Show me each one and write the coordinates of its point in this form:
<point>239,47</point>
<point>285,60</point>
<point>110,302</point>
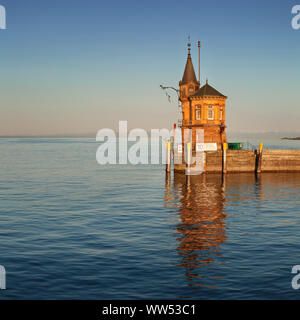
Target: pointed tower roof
<point>189,72</point>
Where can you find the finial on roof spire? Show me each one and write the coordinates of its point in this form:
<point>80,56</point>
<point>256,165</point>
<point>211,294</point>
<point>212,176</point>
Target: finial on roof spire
<point>206,81</point>
<point>189,43</point>
<point>189,72</point>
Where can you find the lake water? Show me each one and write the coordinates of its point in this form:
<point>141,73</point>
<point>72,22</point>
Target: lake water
<point>73,229</point>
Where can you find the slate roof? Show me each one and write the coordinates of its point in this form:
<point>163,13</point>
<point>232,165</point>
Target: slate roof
<point>207,90</point>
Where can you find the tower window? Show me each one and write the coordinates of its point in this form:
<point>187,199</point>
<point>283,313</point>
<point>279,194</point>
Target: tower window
<point>210,113</point>
<point>184,92</point>
<point>221,113</point>
<point>191,90</point>
<point>198,112</point>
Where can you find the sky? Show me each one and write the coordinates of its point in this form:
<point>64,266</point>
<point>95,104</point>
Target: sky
<point>77,66</point>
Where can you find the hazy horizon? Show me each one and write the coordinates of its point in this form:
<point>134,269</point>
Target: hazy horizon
<point>289,134</point>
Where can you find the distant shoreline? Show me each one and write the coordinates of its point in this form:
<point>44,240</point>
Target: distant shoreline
<point>49,137</point>
<point>285,138</point>
<point>232,135</point>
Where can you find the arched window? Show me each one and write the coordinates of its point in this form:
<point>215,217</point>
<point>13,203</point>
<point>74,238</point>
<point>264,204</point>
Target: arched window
<point>184,92</point>
<point>198,112</point>
<point>191,90</point>
<point>221,113</point>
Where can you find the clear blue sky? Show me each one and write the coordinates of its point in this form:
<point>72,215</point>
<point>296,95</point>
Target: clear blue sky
<point>78,66</point>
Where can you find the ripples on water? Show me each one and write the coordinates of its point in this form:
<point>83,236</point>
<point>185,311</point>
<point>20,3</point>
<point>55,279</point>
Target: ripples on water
<point>70,228</point>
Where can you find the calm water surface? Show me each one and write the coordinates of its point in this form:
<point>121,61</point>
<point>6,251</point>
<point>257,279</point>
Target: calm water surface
<point>72,229</point>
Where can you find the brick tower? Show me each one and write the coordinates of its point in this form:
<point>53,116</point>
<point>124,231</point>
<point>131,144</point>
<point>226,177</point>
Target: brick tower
<point>202,107</point>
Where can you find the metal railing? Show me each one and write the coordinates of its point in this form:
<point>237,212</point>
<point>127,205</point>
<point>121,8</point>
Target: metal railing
<point>200,122</point>
<point>248,146</point>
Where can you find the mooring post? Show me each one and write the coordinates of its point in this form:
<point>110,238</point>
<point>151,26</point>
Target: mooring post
<point>223,183</point>
<point>204,161</point>
<point>168,155</point>
<point>225,147</point>
<point>259,160</point>
<point>189,157</point>
<point>167,181</point>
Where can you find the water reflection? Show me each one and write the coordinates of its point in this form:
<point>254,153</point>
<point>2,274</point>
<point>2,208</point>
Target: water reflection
<point>200,202</point>
<point>202,229</point>
<point>210,207</point>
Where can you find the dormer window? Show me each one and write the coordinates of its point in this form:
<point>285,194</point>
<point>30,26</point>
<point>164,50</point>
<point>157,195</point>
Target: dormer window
<point>210,113</point>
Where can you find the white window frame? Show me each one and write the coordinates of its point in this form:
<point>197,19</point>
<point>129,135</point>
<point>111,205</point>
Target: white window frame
<point>212,110</point>
<point>198,111</point>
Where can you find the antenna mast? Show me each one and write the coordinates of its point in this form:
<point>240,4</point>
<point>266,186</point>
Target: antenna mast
<point>199,45</point>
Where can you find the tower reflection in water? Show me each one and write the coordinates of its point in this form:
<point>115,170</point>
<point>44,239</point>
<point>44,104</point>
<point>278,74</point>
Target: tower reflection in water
<point>202,228</point>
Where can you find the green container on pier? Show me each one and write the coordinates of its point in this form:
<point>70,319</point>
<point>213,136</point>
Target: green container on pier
<point>235,146</point>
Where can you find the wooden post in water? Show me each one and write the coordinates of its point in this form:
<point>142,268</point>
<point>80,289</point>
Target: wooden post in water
<point>259,159</point>
<point>204,161</point>
<point>168,155</point>
<point>189,157</point>
<point>225,147</point>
